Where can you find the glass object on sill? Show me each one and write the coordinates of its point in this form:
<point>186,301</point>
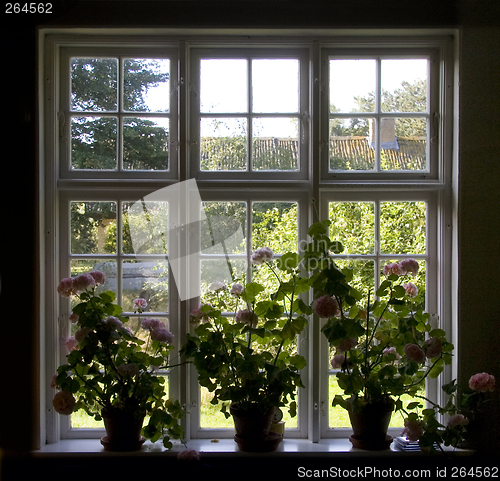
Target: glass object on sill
<point>223,144</point>
<point>145,143</point>
<point>93,143</point>
<point>94,84</point>
<point>275,144</point>
<point>146,85</point>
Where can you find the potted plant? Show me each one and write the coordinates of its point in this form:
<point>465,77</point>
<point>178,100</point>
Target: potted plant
<point>248,359</point>
<point>113,374</point>
<point>385,346</point>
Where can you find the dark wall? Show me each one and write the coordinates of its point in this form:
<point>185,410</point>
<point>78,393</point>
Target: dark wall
<point>479,146</point>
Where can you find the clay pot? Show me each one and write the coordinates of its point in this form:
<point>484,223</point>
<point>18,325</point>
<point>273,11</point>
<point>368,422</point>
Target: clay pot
<point>123,430</point>
<point>370,425</point>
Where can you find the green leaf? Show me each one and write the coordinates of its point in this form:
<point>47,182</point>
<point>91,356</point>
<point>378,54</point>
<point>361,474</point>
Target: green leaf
<point>252,289</point>
<point>288,261</point>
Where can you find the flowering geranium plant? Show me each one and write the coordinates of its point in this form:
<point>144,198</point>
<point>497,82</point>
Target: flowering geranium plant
<point>385,346</point>
<point>109,368</point>
<point>249,355</point>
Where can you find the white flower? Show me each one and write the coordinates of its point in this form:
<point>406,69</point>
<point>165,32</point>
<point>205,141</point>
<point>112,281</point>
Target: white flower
<point>217,286</point>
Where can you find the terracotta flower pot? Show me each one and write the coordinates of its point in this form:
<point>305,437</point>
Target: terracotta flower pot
<point>252,429</point>
<point>370,426</point>
<point>123,430</point>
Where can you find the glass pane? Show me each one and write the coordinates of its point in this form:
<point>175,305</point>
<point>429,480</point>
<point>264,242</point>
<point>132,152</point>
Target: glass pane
<point>223,86</point>
<point>363,275</point>
<point>352,85</point>
<point>275,144</point>
<point>145,144</point>
<point>145,228</point>
<point>349,144</point>
<point>274,225</point>
<point>403,227</point>
<point>108,267</point>
<point>146,279</point>
<point>223,231</point>
<point>403,144</point>
<point>353,224</point>
<point>146,86</point>
<point>404,85</point>
<point>93,227</point>
<point>94,84</point>
<point>93,143</point>
<point>226,270</point>
<point>223,144</point>
<point>275,85</point>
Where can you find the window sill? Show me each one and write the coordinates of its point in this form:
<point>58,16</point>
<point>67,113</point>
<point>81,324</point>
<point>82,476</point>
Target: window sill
<point>216,447</point>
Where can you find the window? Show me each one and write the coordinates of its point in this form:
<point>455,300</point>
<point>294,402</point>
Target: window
<point>277,132</point>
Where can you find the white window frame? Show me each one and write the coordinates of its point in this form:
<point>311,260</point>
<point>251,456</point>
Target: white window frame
<point>312,181</point>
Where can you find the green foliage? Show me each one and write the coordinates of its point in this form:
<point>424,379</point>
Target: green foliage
<point>251,358</point>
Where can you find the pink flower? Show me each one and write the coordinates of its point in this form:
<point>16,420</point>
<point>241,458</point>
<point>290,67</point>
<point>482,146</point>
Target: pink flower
<point>149,323</point>
<point>139,304</point>
<point>391,350</point>
<point>189,455</point>
<point>433,347</point>
<point>71,344</point>
<point>414,353</point>
<point>393,269</point>
<point>337,361</point>
<point>64,403</point>
<point>262,255</point>
<point>162,335</point>
<point>198,316</point>
<point>73,318</point>
<point>413,430</point>
<point>99,277</point>
<point>65,287</point>
<point>458,420</point>
<point>347,344</point>
<point>81,334</point>
<point>217,286</point>
<point>114,322</point>
<point>409,266</point>
<point>128,370</point>
<point>326,307</point>
<point>53,382</point>
<point>83,282</point>
<point>411,289</point>
<point>482,382</point>
<point>236,290</point>
<point>247,317</point>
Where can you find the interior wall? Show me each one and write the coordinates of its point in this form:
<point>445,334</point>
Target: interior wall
<point>479,151</point>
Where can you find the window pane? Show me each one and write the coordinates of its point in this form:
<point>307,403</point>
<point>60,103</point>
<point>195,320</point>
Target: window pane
<point>349,145</point>
<point>93,227</point>
<point>274,225</point>
<point>403,227</point>
<point>223,231</point>
<point>275,85</point>
<point>353,224</point>
<point>145,230</point>
<point>275,144</point>
<point>404,85</point>
<point>94,84</point>
<point>403,144</point>
<point>352,85</point>
<point>93,143</point>
<point>146,279</point>
<point>228,270</point>
<point>223,144</point>
<point>145,144</point>
<point>146,86</point>
<point>223,86</point>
